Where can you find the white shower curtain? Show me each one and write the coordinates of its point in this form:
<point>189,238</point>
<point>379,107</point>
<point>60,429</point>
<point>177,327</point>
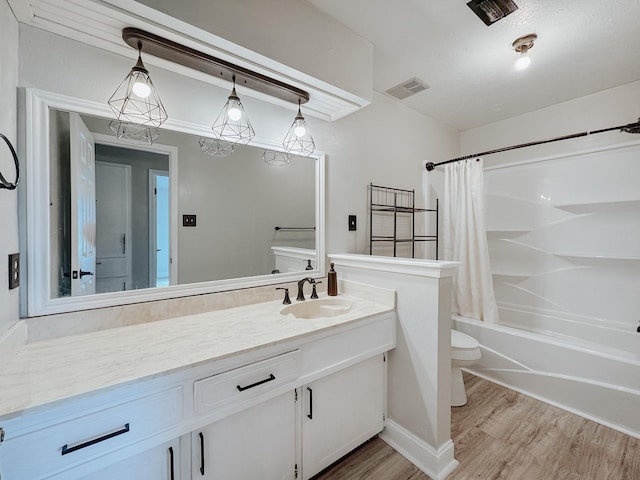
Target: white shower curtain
<point>464,240</point>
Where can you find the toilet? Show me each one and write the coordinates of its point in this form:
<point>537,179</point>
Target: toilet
<point>465,351</point>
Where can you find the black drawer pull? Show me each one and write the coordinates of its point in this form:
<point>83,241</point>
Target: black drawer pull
<point>310,414</point>
<point>201,454</point>
<point>67,449</point>
<point>242,389</point>
<point>171,472</point>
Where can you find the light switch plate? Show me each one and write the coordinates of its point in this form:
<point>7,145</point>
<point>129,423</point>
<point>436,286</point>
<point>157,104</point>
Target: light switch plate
<point>14,271</point>
<point>352,223</point>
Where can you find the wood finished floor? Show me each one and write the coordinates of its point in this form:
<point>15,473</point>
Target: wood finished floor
<point>502,434</point>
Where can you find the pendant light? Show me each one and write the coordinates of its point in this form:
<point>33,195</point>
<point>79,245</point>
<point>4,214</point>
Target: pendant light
<point>133,132</point>
<point>136,100</point>
<point>232,124</point>
<point>216,147</point>
<point>298,140</point>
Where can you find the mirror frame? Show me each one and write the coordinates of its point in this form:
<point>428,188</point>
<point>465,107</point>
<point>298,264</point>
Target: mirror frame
<point>35,238</point>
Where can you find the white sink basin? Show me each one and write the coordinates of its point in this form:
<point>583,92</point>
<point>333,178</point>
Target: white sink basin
<point>322,308</point>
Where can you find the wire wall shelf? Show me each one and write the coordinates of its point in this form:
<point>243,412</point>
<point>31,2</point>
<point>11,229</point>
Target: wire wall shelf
<point>392,219</point>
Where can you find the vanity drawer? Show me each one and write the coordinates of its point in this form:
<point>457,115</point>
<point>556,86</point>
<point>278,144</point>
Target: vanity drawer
<point>53,449</point>
<point>246,382</point>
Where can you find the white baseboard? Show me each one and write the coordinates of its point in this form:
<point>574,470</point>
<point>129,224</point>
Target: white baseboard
<point>437,463</point>
<point>12,341</point>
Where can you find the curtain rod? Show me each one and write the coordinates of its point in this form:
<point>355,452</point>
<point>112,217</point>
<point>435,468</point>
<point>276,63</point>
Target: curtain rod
<point>629,128</point>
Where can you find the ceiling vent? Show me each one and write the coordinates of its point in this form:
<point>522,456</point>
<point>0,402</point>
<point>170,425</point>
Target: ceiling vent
<point>407,88</point>
<point>490,11</point>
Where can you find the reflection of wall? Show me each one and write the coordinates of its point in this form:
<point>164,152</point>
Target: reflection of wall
<point>8,200</point>
<point>141,162</point>
<point>238,201</point>
<point>60,184</point>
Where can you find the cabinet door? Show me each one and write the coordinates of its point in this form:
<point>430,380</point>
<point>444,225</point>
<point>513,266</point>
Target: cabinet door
<point>160,463</point>
<point>340,412</point>
<point>257,443</point>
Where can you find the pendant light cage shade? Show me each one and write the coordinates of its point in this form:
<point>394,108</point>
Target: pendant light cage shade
<point>136,99</point>
<point>276,159</point>
<point>298,140</point>
<point>232,124</point>
<point>216,147</point>
<point>133,132</point>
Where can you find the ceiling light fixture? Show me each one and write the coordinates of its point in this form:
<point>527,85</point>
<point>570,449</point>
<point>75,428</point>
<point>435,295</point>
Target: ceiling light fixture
<point>298,140</point>
<point>216,67</point>
<point>136,100</point>
<point>232,124</point>
<point>522,45</point>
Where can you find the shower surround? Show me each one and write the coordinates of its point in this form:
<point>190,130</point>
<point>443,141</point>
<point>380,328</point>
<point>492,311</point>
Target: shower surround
<point>563,235</point>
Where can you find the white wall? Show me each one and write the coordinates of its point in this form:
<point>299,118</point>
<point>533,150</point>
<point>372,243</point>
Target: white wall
<point>384,143</point>
<point>8,199</point>
<point>609,108</point>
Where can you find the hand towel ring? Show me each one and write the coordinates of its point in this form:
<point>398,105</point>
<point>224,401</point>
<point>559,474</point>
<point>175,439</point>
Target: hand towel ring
<point>3,181</point>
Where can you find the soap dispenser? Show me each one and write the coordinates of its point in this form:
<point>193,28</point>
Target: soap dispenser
<point>332,282</point>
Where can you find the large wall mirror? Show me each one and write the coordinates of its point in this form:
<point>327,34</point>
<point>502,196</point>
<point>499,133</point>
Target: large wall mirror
<point>110,222</point>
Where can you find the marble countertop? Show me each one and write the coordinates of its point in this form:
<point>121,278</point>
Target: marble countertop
<point>49,371</point>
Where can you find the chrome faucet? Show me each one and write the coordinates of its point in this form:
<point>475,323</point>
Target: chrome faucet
<point>300,296</point>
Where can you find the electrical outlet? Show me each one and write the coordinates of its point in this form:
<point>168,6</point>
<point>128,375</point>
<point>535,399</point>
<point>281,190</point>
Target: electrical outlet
<point>188,220</point>
<point>352,223</point>
<point>14,271</point>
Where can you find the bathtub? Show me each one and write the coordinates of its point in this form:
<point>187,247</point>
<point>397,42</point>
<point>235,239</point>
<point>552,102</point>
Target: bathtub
<point>584,376</point>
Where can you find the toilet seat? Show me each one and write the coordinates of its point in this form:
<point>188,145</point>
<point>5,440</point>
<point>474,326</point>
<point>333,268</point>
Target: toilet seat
<point>464,347</point>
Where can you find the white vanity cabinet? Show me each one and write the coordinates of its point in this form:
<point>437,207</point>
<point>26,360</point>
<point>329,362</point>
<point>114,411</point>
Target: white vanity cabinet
<point>340,412</point>
<point>259,443</point>
<point>275,411</point>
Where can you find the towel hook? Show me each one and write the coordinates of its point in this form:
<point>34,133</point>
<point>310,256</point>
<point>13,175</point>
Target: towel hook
<point>3,181</point>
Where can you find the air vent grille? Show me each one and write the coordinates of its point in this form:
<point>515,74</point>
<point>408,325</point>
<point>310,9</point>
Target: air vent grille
<point>490,11</point>
<point>407,88</point>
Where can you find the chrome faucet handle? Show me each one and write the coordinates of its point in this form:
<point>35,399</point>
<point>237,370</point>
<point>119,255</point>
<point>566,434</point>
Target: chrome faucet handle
<point>314,294</point>
<point>287,300</point>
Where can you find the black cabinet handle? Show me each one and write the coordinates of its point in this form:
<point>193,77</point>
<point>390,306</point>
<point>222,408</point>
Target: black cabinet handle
<point>171,473</point>
<point>83,273</point>
<point>201,454</point>
<point>67,449</point>
<point>310,415</point>
<point>242,389</point>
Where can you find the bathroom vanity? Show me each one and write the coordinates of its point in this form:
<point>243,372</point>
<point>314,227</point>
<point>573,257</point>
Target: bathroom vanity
<point>246,392</point>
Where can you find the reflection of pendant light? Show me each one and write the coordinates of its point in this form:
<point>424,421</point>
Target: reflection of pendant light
<point>276,159</point>
<point>522,45</point>
<point>232,124</point>
<point>216,147</point>
<point>298,140</point>
<point>133,132</point>
<point>136,100</point>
